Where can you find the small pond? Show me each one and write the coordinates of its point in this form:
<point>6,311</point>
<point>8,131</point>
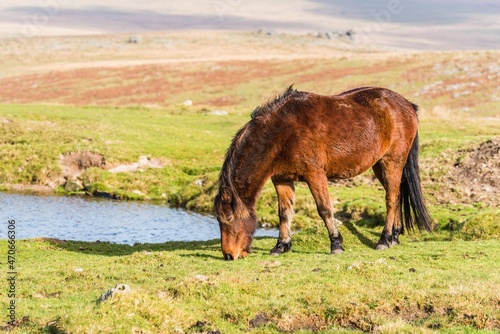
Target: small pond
<point>91,219</point>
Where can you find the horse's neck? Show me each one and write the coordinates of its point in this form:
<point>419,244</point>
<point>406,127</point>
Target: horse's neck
<point>250,177</point>
<point>253,166</point>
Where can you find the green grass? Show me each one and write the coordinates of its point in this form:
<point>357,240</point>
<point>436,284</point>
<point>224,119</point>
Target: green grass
<point>177,287</point>
<point>192,145</point>
<point>454,133</point>
<point>443,282</point>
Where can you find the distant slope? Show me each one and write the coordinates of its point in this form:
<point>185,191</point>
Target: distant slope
<point>220,69</point>
<point>417,24</point>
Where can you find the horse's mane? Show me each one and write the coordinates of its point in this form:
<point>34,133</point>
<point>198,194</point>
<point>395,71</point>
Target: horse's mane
<point>226,177</point>
<point>276,103</point>
<point>233,153</point>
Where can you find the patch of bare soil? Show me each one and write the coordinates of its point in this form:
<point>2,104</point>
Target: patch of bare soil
<point>473,178</point>
<point>482,168</point>
<point>75,163</point>
<point>311,323</point>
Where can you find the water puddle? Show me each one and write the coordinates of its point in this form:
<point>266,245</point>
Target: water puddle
<point>90,219</point>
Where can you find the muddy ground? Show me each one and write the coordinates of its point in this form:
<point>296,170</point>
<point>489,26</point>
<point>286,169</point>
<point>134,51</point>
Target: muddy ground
<point>469,177</point>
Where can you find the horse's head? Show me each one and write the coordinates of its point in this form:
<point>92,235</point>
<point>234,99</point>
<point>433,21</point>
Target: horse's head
<point>236,223</point>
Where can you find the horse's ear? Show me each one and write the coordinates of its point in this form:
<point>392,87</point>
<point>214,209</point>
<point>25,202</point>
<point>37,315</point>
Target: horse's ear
<point>226,195</point>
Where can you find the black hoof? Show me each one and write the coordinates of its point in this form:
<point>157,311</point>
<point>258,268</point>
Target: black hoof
<point>380,247</point>
<point>395,236</point>
<point>384,242</point>
<point>336,245</point>
<point>337,251</point>
<point>281,247</point>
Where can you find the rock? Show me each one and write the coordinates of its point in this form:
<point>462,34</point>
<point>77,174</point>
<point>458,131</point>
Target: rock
<point>199,182</point>
<point>73,186</point>
<point>201,278</point>
<point>143,163</point>
<point>266,32</point>
<point>119,288</point>
<point>355,265</point>
<point>218,113</point>
<point>122,288</point>
<point>188,103</point>
<point>134,39</point>
<point>138,192</point>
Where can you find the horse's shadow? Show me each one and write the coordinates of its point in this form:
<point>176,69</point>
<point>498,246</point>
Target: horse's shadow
<point>199,249</point>
<point>192,248</point>
<point>361,237</point>
<point>209,249</point>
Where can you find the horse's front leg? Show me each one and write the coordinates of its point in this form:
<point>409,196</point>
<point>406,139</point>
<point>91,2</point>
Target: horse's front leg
<point>286,200</point>
<point>318,184</point>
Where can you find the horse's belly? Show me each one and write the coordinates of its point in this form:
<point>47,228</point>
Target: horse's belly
<point>346,172</point>
<point>335,167</point>
<point>347,166</point>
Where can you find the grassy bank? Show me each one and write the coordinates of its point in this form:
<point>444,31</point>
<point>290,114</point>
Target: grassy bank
<point>189,145</point>
<point>177,287</point>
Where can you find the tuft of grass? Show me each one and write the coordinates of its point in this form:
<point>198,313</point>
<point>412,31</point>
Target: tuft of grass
<point>482,226</point>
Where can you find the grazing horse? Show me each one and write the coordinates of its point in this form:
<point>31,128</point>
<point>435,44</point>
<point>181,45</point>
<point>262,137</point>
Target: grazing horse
<point>302,136</point>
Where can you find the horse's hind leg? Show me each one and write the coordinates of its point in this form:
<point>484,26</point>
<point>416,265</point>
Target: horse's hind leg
<point>318,184</point>
<point>286,200</point>
<point>389,174</point>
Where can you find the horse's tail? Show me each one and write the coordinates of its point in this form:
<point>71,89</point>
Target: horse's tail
<point>413,209</point>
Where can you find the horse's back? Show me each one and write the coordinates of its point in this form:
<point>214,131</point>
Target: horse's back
<point>345,134</point>
<point>378,108</point>
<point>361,111</point>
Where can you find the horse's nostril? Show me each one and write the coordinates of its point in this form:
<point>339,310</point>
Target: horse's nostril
<point>228,257</point>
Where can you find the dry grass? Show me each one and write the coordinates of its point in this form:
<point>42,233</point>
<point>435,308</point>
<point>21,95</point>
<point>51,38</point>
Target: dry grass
<point>235,69</point>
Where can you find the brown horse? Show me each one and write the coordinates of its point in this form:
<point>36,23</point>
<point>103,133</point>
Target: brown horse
<point>301,136</point>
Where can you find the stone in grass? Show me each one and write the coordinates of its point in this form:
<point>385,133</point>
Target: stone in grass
<point>73,186</point>
<point>201,278</point>
<point>218,113</point>
<point>120,289</point>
